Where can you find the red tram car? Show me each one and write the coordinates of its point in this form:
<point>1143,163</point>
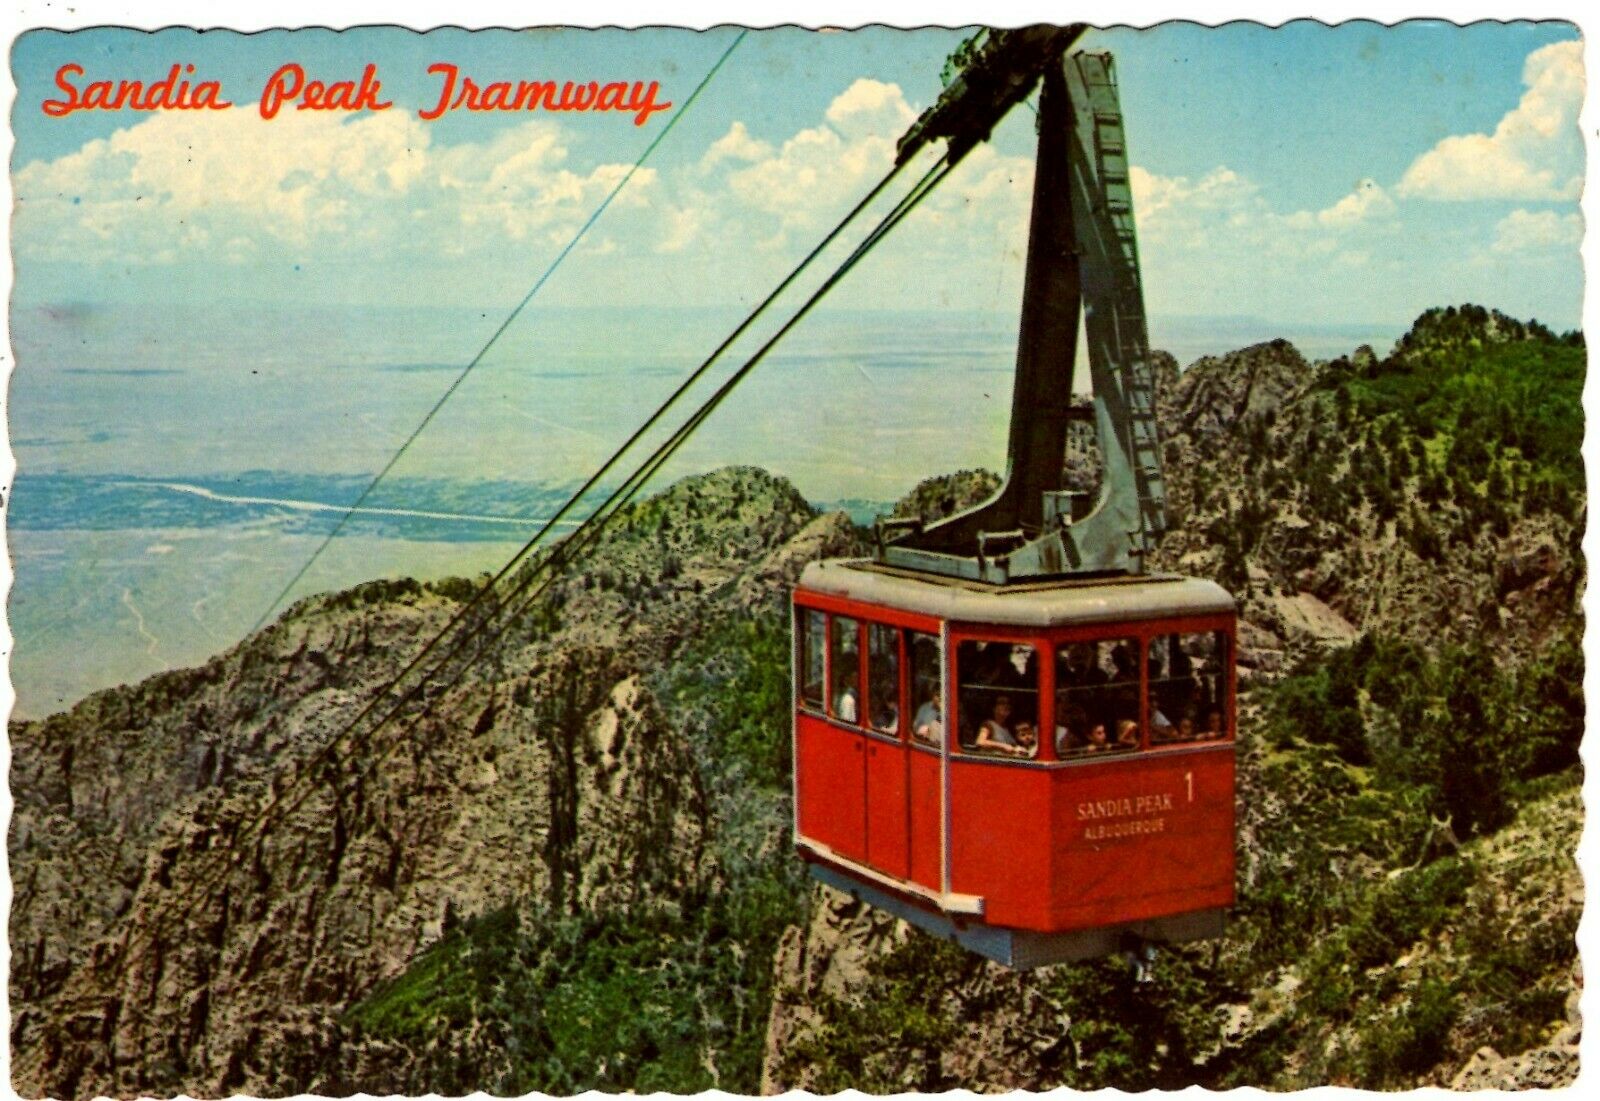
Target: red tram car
<point>1031,854</point>
<point>1007,729</point>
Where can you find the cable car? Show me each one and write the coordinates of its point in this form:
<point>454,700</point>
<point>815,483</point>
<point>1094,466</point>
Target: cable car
<point>1007,730</point>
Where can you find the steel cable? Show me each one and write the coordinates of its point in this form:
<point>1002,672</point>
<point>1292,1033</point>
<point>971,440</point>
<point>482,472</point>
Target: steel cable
<point>314,770</point>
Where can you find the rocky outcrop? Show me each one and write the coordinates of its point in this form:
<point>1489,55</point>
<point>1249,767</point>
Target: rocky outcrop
<point>1004,1033</point>
<point>993,1029</point>
<point>209,872</point>
<point>1214,397</point>
<point>1548,1066</point>
<point>1323,529</point>
<point>944,495</point>
<point>292,898</point>
<point>92,785</point>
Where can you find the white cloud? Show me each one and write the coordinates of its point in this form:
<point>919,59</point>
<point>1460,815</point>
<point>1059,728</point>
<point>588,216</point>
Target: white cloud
<point>816,172</point>
<point>1224,209</point>
<point>230,187</point>
<point>870,108</point>
<point>1368,200</point>
<point>1536,151</point>
<point>171,185</point>
<point>377,190</point>
<point>736,144</point>
<point>1215,243</point>
<point>1155,196</point>
<point>680,228</point>
<point>1542,231</point>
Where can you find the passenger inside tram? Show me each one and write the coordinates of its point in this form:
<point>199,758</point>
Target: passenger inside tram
<point>994,733</point>
<point>1125,667</point>
<point>1127,735</point>
<point>1097,741</point>
<point>1161,727</point>
<point>1186,679</point>
<point>883,677</point>
<point>885,711</point>
<point>928,723</point>
<point>997,685</point>
<point>1018,670</point>
<point>845,670</point>
<point>1096,683</point>
<point>1123,689</point>
<point>1214,727</point>
<point>813,644</point>
<point>1076,666</point>
<point>1072,725</point>
<point>845,706</point>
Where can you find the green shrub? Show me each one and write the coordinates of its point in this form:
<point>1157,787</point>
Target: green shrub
<point>731,688</point>
<point>1321,705</point>
<point>1413,1041</point>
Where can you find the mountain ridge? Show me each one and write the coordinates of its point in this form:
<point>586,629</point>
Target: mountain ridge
<point>611,789</point>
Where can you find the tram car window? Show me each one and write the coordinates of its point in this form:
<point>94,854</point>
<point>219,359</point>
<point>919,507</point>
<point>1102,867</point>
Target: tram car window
<point>883,677</point>
<point>1188,687</point>
<point>998,686</point>
<point>927,688</point>
<point>1097,698</point>
<point>844,670</point>
<point>812,627</point>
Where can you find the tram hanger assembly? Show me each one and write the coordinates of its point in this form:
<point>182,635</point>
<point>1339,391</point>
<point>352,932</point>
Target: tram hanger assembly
<point>1081,250</point>
<point>956,693</point>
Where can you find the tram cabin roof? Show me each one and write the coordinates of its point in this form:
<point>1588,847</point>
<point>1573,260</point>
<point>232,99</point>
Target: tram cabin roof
<point>1058,603</point>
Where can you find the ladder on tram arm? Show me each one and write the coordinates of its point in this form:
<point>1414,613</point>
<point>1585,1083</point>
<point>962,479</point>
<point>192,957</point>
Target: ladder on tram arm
<point>1130,356</point>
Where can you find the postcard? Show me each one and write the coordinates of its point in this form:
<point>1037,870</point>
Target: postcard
<point>553,559</point>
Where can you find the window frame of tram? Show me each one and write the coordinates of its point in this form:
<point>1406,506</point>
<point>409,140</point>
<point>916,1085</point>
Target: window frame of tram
<point>983,680</point>
<point>1098,703</point>
<point>925,683</point>
<point>811,643</point>
<point>879,662</point>
<point>842,629</point>
<point>883,716</point>
<point>1187,699</point>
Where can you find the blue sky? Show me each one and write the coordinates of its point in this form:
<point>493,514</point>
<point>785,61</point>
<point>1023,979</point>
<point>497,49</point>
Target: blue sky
<point>1304,175</point>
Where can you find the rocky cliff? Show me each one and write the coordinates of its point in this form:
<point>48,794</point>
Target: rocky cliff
<point>201,893</point>
<point>1333,499</point>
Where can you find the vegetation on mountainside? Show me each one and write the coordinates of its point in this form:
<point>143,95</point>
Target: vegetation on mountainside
<point>1409,804</point>
<point>1477,405</point>
<point>1355,860</point>
<point>654,999</point>
<point>670,995</point>
<point>1455,725</point>
<point>1409,810</point>
<point>1474,422</point>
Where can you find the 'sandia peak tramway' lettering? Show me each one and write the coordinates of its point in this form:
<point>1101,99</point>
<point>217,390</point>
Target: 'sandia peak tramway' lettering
<point>459,92</point>
<point>174,92</point>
